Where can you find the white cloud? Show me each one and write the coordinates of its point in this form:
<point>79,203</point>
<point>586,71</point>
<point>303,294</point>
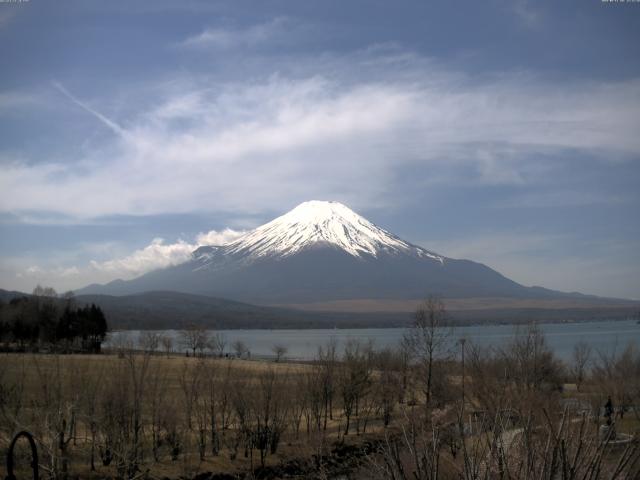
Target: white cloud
<point>33,270</point>
<point>106,121</point>
<point>153,256</point>
<point>223,237</point>
<point>36,272</point>
<point>158,254</point>
<point>226,38</point>
<point>268,144</point>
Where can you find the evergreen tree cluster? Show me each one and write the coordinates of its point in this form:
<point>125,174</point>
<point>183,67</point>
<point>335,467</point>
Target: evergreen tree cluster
<point>46,320</point>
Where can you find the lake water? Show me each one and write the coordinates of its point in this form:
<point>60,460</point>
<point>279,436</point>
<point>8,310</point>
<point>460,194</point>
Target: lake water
<point>603,336</point>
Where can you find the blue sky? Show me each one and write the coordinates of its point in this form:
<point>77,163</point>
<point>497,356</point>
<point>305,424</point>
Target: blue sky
<point>501,131</point>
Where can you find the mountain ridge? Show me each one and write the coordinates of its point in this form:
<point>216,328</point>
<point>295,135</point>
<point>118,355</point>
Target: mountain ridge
<point>174,310</point>
<point>323,251</point>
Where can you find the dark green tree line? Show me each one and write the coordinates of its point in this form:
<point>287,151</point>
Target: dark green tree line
<point>45,319</point>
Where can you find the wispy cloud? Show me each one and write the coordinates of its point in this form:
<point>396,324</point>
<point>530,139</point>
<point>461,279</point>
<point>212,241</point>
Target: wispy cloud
<point>106,121</point>
<point>222,237</point>
<point>525,11</point>
<point>15,99</point>
<point>273,142</point>
<point>35,271</point>
<point>226,38</point>
<point>157,254</point>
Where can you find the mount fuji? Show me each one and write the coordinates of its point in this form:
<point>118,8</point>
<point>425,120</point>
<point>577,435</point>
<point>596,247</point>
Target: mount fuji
<point>322,252</point>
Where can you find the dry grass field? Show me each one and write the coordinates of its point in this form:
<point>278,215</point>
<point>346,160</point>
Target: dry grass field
<point>65,396</point>
<point>391,414</point>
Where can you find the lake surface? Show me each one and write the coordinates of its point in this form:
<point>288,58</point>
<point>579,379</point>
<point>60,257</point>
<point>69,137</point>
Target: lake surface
<point>603,336</point>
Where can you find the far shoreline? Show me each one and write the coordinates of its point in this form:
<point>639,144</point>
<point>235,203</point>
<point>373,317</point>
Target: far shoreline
<point>386,327</point>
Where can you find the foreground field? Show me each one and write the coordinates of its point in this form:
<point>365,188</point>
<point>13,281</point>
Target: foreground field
<point>164,416</point>
<point>416,412</point>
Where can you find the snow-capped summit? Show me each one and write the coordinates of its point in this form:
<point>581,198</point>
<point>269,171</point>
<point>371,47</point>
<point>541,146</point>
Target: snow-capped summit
<point>316,223</point>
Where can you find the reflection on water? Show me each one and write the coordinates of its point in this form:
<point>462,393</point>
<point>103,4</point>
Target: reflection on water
<point>603,336</point>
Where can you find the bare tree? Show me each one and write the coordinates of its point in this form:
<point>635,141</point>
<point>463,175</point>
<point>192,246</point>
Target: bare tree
<point>530,362</point>
<point>190,379</point>
<point>202,409</point>
<point>562,448</point>
<point>389,366</point>
<point>217,344</point>
<point>121,342</point>
<point>270,412</point>
<point>327,363</point>
<point>242,408</point>
<point>618,376</point>
<point>413,455</point>
<point>194,338</point>
<point>156,405</point>
<point>279,351</point>
<point>579,362</point>
<point>149,341</point>
<point>224,398</point>
<point>355,378</point>
<point>404,355</point>
<point>429,338</point>
<point>172,427</point>
<point>167,344</point>
<point>122,419</point>
<point>315,400</point>
<point>212,403</point>
<point>240,348</point>
<point>91,393</point>
<point>138,366</point>
<point>57,414</point>
<point>299,403</point>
